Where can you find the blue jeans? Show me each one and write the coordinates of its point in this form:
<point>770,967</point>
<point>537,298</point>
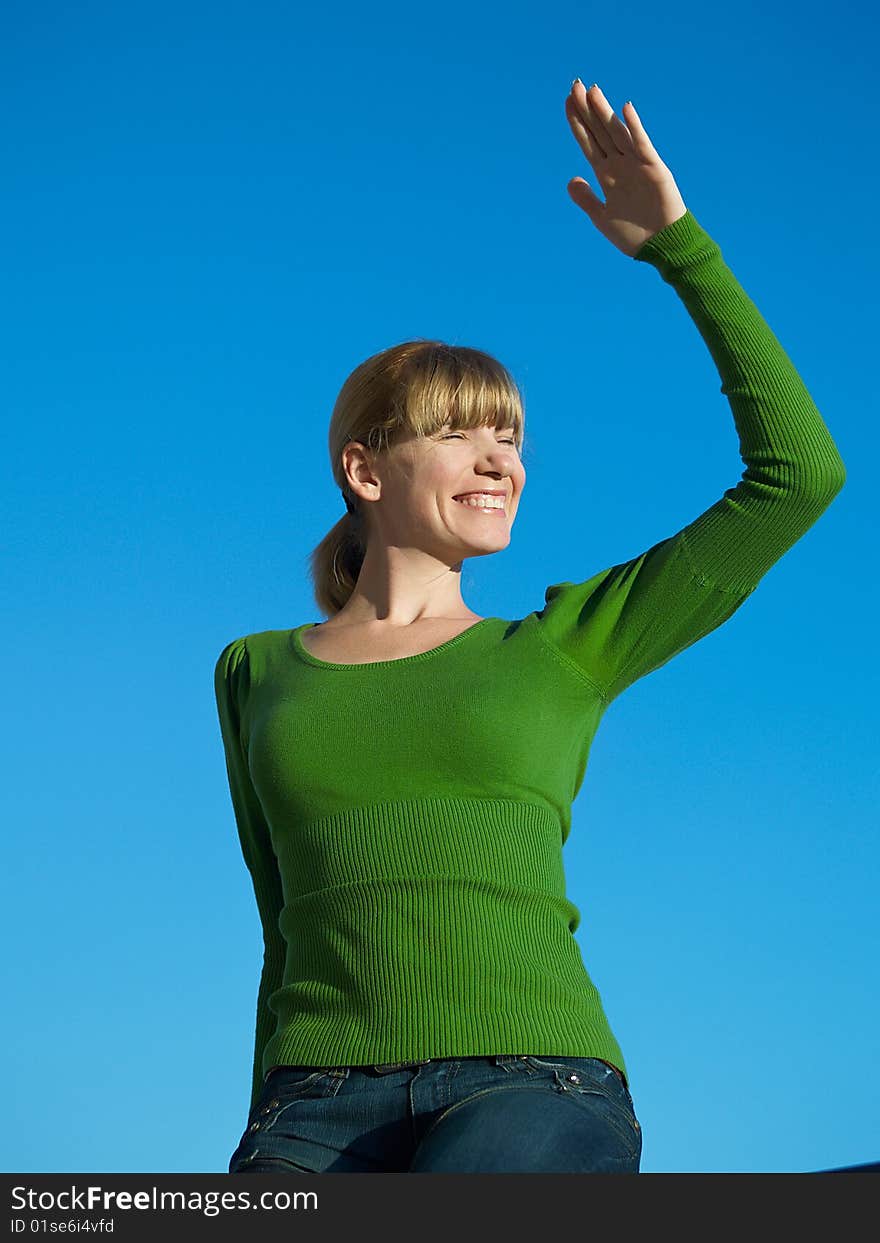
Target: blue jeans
<point>504,1113</point>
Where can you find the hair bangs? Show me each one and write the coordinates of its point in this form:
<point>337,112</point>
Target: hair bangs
<point>459,387</point>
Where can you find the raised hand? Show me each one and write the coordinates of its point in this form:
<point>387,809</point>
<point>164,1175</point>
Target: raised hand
<point>641,196</point>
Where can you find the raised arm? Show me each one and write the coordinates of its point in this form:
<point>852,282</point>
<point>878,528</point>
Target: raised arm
<point>633,617</point>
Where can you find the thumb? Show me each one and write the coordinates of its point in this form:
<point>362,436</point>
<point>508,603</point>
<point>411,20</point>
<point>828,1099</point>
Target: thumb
<point>580,191</point>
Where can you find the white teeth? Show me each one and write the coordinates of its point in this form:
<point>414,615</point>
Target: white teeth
<point>481,502</point>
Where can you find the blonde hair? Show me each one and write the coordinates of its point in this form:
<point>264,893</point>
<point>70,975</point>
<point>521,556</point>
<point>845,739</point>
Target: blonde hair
<point>415,388</point>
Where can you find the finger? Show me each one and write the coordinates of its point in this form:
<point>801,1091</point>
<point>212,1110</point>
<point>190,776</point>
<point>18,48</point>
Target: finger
<point>584,137</point>
<point>580,193</point>
<point>616,134</point>
<point>641,142</point>
<point>589,121</point>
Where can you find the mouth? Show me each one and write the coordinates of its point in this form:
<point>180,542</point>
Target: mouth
<point>482,502</point>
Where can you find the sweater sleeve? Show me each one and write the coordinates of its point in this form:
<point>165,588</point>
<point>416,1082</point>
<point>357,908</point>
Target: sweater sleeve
<point>231,681</point>
<point>633,617</point>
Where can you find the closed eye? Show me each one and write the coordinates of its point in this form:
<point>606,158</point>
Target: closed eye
<point>449,435</point>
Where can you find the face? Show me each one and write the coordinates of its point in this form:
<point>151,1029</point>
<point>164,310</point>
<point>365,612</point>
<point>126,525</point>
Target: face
<point>416,482</point>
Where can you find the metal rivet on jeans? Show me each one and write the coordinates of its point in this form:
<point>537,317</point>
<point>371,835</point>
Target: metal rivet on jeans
<point>254,1126</point>
<point>575,1078</point>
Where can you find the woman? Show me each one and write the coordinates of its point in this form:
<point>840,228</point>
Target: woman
<point>402,774</point>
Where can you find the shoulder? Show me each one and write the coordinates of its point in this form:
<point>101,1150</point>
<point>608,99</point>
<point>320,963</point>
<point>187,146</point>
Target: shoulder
<point>233,653</point>
<point>250,651</point>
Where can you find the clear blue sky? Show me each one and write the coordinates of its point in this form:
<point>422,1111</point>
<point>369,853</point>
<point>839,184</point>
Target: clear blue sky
<point>212,213</point>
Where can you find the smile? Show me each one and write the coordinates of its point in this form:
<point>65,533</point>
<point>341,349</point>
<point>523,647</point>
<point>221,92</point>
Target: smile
<point>488,503</point>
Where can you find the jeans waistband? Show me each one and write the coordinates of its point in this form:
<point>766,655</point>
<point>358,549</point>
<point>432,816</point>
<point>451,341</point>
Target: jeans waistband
<point>386,1068</point>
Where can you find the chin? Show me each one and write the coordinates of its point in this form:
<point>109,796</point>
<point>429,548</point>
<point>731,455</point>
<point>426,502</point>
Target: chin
<point>484,550</point>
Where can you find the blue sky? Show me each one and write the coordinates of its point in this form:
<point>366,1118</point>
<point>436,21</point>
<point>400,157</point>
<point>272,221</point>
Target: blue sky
<point>212,214</point>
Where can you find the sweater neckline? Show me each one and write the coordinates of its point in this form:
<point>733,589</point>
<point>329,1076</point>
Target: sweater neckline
<point>304,654</point>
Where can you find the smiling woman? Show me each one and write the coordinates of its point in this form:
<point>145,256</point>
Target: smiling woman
<point>402,800</point>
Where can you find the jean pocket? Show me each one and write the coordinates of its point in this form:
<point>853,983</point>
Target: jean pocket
<point>590,1076</point>
<point>292,1078</point>
<point>281,1088</point>
<point>594,1067</point>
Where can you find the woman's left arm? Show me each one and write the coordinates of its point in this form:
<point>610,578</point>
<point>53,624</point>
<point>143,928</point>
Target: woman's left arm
<point>793,467</point>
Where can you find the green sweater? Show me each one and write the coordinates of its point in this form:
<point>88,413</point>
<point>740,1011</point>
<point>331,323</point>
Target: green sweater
<point>403,821</point>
